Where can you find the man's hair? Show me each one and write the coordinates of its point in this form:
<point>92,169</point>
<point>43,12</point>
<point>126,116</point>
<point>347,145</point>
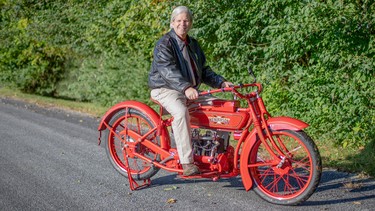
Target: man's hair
<point>181,9</point>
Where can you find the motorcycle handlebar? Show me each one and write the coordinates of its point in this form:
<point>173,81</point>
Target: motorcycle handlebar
<point>233,89</point>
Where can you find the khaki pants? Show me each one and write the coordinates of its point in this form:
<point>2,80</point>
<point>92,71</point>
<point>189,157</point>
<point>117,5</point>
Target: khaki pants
<point>176,104</point>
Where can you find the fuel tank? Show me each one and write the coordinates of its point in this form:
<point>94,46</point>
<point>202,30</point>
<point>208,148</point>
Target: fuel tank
<point>219,114</point>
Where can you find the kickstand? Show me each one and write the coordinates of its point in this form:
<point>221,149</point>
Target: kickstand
<point>132,183</point>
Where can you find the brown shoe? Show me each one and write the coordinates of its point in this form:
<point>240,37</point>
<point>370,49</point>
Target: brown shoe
<point>190,169</point>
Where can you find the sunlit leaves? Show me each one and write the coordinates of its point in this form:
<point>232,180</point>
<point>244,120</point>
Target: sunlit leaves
<point>315,58</point>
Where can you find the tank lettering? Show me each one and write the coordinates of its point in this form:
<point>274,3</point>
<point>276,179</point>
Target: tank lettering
<point>219,120</point>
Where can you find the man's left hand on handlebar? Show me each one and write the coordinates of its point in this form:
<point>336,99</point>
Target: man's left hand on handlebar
<point>191,93</point>
<point>226,84</point>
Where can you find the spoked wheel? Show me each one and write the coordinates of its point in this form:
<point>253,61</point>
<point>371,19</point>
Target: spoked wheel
<point>121,143</point>
<point>293,179</point>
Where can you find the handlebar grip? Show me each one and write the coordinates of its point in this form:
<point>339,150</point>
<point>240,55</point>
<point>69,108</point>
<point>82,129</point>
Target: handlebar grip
<point>231,89</point>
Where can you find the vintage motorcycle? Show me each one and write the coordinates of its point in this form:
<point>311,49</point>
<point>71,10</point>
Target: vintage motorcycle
<point>272,155</point>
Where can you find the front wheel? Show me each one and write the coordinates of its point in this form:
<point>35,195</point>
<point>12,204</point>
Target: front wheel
<point>292,180</point>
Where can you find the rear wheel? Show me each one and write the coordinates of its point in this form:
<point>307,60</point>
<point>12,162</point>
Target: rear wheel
<point>293,179</point>
<point>120,143</point>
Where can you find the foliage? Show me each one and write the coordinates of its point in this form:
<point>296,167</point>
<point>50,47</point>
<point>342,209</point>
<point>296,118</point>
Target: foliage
<point>315,58</point>
<point>33,48</point>
<point>103,79</point>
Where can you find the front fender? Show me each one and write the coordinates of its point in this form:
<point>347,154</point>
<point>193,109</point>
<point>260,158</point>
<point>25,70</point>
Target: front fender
<point>128,104</point>
<point>274,123</point>
<point>245,154</point>
<point>286,123</point>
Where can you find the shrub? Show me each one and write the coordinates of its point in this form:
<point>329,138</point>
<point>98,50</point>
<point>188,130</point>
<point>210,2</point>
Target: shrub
<point>315,58</point>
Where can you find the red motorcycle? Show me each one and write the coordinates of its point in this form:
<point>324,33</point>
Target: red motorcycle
<point>273,155</point>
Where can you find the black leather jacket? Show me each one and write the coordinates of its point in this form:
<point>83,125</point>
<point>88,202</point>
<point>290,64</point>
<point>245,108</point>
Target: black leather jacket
<point>169,69</point>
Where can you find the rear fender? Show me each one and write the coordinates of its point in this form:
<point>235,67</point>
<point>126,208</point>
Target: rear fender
<point>275,123</point>
<point>154,117</point>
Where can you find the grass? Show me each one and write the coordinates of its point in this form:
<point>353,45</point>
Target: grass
<point>350,159</point>
<point>83,107</point>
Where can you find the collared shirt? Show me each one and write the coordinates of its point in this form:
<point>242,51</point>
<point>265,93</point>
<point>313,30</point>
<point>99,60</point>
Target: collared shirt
<point>189,61</point>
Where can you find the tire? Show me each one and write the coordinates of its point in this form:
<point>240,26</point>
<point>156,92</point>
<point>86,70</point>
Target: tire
<point>141,124</point>
<point>293,181</point>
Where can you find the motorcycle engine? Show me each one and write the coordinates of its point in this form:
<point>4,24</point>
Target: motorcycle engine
<point>209,142</point>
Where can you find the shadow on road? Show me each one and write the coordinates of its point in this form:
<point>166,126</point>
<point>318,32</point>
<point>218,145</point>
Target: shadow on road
<point>333,179</point>
<point>173,179</point>
<point>337,201</point>
<point>354,189</point>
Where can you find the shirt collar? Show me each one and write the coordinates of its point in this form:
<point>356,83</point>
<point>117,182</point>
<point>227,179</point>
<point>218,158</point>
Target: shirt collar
<point>181,43</point>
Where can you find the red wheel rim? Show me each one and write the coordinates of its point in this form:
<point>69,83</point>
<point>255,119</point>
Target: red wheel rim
<point>116,144</point>
<point>291,177</point>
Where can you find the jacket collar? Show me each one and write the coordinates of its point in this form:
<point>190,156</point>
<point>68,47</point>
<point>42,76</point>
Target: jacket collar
<point>180,42</point>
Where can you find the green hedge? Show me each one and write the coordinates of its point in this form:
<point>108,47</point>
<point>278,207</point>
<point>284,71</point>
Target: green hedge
<point>315,58</point>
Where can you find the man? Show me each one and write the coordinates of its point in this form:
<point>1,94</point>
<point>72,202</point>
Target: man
<point>178,68</point>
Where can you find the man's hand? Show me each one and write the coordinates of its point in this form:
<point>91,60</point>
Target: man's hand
<point>226,84</point>
<point>191,93</point>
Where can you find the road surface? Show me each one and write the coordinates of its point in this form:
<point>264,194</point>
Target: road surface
<point>50,160</point>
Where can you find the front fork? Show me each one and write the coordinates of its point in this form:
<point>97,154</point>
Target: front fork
<point>260,115</point>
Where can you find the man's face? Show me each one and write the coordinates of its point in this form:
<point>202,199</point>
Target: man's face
<point>182,25</point>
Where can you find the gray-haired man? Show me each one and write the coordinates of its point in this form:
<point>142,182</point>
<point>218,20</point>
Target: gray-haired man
<point>178,68</point>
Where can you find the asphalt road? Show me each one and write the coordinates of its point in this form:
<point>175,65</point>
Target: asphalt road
<point>50,160</point>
